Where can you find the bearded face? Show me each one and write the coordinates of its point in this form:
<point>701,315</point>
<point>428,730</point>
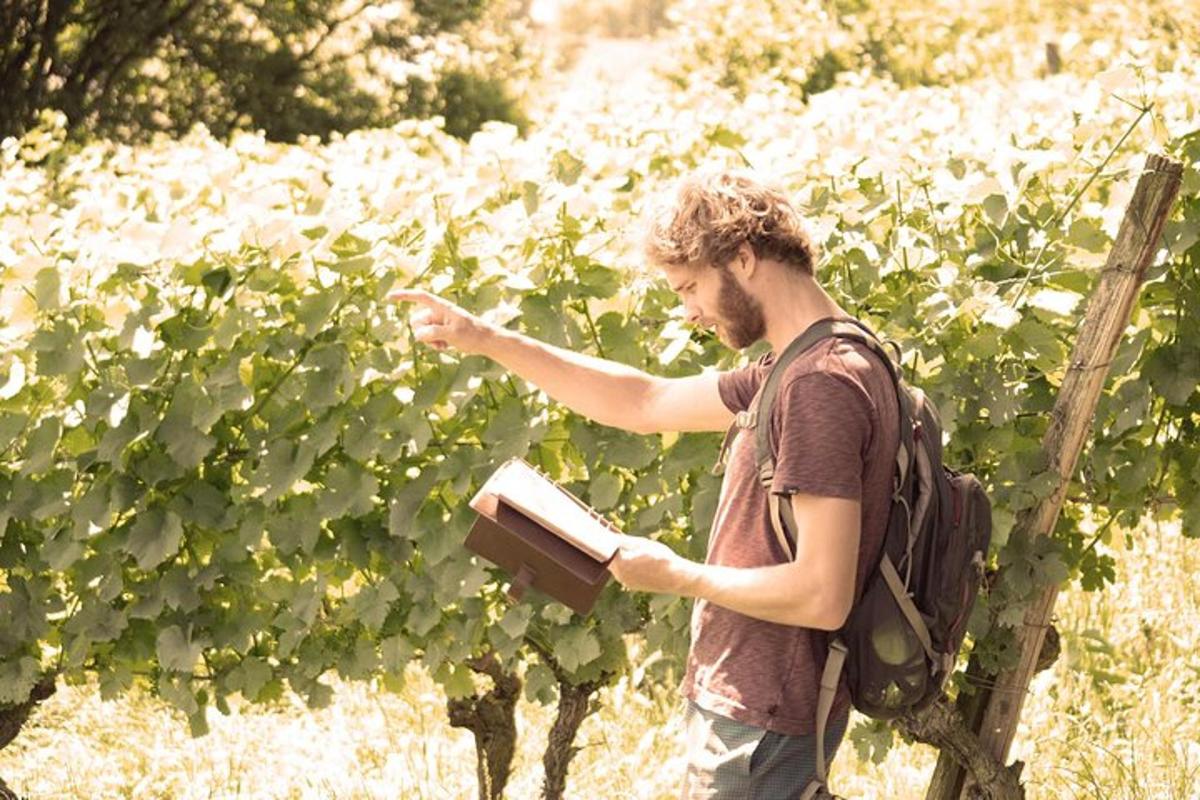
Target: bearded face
<point>739,315</point>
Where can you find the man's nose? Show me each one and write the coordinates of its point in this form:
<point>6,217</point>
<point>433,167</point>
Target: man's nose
<point>692,315</point>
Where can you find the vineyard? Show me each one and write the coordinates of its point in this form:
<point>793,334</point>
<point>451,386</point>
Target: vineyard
<point>233,487</point>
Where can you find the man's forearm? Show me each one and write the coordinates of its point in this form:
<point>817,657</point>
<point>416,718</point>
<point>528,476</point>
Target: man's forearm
<point>779,593</point>
<point>608,392</point>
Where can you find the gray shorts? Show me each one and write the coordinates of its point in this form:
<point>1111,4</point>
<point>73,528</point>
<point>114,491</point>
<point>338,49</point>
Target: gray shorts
<point>729,760</point>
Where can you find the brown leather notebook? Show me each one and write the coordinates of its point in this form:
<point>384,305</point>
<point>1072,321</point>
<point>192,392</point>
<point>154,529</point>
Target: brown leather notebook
<point>543,535</point>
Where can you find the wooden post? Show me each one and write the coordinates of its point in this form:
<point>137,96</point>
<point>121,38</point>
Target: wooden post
<point>1107,316</point>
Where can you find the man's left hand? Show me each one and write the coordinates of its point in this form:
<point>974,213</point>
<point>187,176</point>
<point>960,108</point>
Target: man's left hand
<point>645,565</point>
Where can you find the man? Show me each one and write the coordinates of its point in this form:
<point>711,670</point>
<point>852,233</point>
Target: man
<point>736,252</point>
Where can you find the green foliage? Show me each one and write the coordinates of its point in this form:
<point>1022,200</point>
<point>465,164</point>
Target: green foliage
<point>808,46</point>
<point>465,100</point>
<point>290,69</point>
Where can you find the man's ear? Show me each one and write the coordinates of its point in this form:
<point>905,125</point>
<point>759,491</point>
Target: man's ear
<point>745,261</point>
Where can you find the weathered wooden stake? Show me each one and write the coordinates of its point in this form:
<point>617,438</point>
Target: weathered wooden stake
<point>1108,314</point>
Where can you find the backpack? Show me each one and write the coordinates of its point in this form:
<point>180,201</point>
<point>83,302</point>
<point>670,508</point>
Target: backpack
<point>903,633</point>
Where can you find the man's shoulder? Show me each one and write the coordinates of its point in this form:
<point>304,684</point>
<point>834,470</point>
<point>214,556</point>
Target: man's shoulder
<point>846,359</point>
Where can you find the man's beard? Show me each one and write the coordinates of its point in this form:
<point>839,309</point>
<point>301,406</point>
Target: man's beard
<point>741,314</point>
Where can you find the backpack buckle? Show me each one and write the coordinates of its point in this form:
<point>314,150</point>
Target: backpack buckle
<point>746,419</point>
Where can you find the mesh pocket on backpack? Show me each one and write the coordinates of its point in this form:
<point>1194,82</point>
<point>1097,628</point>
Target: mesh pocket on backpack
<point>886,668</point>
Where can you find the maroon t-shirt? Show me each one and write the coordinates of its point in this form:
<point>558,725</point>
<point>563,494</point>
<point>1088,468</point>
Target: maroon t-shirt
<point>834,432</point>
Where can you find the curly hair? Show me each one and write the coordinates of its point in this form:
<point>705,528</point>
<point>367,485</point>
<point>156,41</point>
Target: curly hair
<point>711,214</point>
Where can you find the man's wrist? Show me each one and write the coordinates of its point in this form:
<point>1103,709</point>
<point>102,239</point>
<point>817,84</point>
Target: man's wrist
<point>490,339</point>
<point>692,578</point>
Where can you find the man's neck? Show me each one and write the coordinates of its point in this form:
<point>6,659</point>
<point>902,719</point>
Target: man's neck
<point>798,303</point>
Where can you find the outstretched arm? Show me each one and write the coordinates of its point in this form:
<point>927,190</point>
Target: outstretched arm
<point>608,392</point>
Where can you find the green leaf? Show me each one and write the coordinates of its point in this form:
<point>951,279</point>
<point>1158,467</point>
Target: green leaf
<point>176,689</point>
<point>315,309</point>
<point>1002,524</point>
<point>1086,233</point>
<point>186,444</point>
<point>529,197</point>
<point>187,330</point>
<point>17,677</point>
<point>540,684</point>
<point>396,652</point>
<point>179,590</point>
<point>556,613</point>
<point>348,245</point>
<point>285,463</point>
<point>201,503</point>
<point>359,266</point>
<point>97,621</point>
<point>1173,375</point>
<point>47,289</point>
<point>318,695</point>
<point>604,491</point>
<point>372,603</point>
<point>575,648</point>
<point>402,509</point>
<point>114,682</point>
<point>176,650</point>
<point>1011,615</point>
<point>327,376</point>
<point>217,281</point>
<point>510,421</point>
<point>725,137</point>
<point>1049,570</point>
<point>349,489</point>
<point>198,722</point>
<point>542,320</point>
<point>298,528</point>
<point>91,509</point>
<point>597,280</point>
<point>422,618</point>
<point>456,679</point>
<point>40,446</point>
<point>133,427</point>
<point>156,536</point>
<point>61,550</point>
<point>996,208</point>
<point>631,450</point>
<point>516,621</point>
<point>1042,341</point>
<point>567,168</point>
<point>872,740</point>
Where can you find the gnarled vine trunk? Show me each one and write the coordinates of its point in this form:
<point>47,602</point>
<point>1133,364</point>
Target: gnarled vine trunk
<point>13,718</point>
<point>574,705</point>
<point>492,718</point>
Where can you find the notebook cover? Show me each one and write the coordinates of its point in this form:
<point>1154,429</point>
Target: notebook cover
<point>512,541</point>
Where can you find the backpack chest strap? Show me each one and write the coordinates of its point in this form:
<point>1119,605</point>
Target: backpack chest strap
<point>743,419</point>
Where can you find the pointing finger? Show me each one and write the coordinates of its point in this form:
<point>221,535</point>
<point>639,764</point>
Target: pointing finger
<point>417,296</point>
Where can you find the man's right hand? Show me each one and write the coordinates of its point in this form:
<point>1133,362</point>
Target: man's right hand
<point>441,324</point>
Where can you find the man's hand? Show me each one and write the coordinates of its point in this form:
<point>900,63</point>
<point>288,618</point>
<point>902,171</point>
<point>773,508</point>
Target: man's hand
<point>646,565</point>
<point>441,324</point>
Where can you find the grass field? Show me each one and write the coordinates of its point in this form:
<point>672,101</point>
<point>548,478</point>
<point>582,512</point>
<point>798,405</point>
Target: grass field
<point>1117,717</point>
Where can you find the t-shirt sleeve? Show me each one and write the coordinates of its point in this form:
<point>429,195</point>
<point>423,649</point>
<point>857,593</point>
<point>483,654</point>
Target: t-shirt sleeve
<point>737,386</point>
<point>823,427</point>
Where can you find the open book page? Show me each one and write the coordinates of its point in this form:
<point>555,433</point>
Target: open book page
<point>541,499</point>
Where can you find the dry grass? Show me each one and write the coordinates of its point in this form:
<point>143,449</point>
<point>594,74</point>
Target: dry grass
<point>1118,717</point>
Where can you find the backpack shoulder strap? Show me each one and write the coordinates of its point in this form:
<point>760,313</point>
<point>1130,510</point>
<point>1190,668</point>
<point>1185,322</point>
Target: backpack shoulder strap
<point>760,408</point>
